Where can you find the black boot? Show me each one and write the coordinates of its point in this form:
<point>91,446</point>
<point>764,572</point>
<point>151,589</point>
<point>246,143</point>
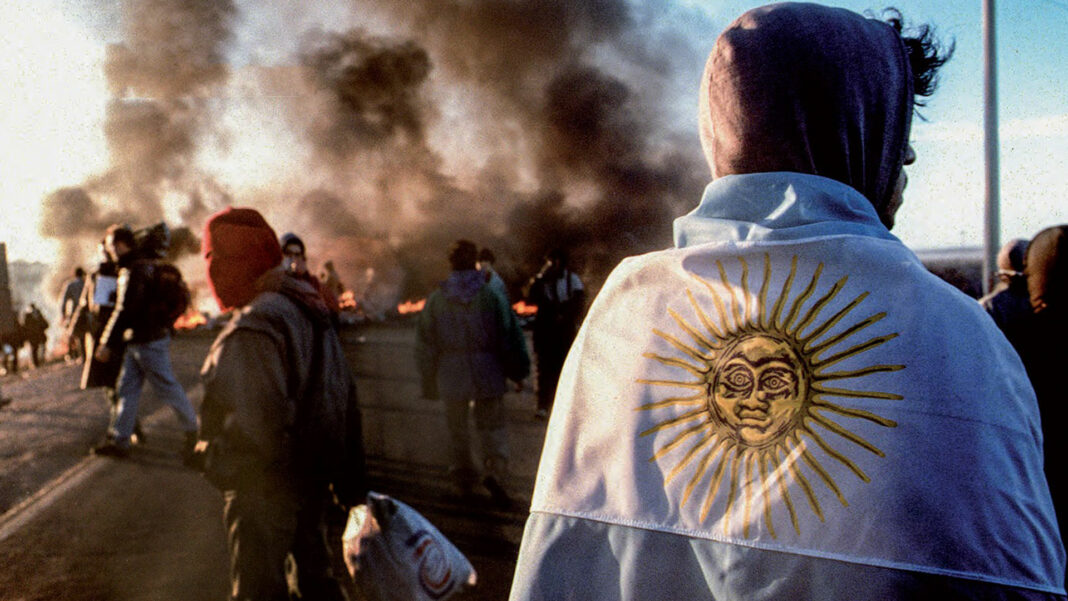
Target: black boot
<point>189,449</point>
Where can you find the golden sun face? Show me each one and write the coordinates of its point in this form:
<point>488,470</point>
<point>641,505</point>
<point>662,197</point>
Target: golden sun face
<point>758,389</point>
<point>759,380</point>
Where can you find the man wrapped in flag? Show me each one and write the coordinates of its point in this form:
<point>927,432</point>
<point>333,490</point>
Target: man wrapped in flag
<point>788,405</point>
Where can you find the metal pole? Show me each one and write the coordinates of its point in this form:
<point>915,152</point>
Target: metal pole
<point>991,208</point>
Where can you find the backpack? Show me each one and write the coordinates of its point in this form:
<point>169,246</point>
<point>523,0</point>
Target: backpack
<point>168,294</point>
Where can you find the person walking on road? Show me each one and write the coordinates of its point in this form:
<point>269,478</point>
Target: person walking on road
<point>468,343</point>
<point>280,428</point>
<point>558,294</point>
<point>35,331</point>
<point>138,324</point>
<point>74,324</point>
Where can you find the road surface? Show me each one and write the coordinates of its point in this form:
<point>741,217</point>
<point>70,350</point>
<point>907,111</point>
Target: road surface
<point>82,528</point>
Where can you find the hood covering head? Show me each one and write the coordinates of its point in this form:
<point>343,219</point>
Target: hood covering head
<point>462,286</point>
<point>1047,270</point>
<point>291,238</point>
<point>239,247</point>
<point>810,89</point>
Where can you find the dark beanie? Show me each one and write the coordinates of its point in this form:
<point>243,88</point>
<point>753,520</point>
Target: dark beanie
<point>291,238</point>
<point>239,246</point>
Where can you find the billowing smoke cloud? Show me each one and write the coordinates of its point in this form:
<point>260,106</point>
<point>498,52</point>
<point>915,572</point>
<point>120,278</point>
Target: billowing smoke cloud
<point>521,126</point>
<point>162,78</point>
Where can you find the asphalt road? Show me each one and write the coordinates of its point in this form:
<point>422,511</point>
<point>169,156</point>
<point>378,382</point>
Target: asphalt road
<point>81,528</point>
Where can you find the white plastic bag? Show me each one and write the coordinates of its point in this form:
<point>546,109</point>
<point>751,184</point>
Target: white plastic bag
<point>395,554</point>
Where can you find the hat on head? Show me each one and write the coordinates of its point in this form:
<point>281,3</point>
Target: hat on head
<point>291,238</point>
<point>239,246</point>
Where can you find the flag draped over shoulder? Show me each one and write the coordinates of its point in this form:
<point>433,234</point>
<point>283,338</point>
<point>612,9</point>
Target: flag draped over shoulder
<point>789,405</point>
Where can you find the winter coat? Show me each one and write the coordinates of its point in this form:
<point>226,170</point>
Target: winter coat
<point>279,407</point>
<point>468,340</point>
<point>132,320</point>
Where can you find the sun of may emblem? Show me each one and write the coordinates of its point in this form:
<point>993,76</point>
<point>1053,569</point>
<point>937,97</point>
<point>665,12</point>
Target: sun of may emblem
<point>761,387</point>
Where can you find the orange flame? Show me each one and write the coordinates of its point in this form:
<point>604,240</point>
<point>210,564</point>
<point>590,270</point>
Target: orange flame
<point>190,320</point>
<point>347,300</point>
<point>408,307</point>
<point>522,309</point>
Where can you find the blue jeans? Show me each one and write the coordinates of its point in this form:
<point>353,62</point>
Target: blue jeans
<point>152,361</point>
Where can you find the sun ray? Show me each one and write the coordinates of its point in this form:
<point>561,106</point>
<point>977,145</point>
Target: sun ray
<point>685,417</point>
<point>698,337</point>
<point>713,487</point>
<point>817,349</point>
<point>878,419</point>
<point>690,454</point>
<point>746,298</point>
<point>860,394</point>
<point>675,362</point>
<point>776,311</point>
<point>800,479</point>
<point>846,434</point>
<point>732,490</point>
<point>734,299</point>
<point>699,385</point>
<point>702,468</point>
<point>765,492</point>
<point>697,399</point>
<point>800,300</point>
<point>781,477</point>
<point>675,342</point>
<point>717,301</point>
<point>747,481</point>
<point>831,322</point>
<point>855,373</point>
<point>679,439</point>
<point>835,454</point>
<point>852,351</point>
<point>819,305</point>
<point>704,318</point>
<point>762,300</point>
<point>818,468</point>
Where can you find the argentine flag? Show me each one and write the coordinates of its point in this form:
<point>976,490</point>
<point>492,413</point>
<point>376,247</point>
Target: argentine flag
<point>788,405</point>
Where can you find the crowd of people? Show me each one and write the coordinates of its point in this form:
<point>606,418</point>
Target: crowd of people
<point>785,405</point>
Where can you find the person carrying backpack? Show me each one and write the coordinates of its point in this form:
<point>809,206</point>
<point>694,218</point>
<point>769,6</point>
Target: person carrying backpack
<point>280,427</point>
<point>148,296</point>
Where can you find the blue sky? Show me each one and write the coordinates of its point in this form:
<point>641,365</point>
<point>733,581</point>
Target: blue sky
<point>52,106</point>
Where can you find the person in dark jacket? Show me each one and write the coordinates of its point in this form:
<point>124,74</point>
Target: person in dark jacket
<point>74,324</point>
<point>35,331</point>
<point>1008,303</point>
<point>1045,357</point>
<point>560,297</point>
<point>94,308</point>
<point>468,342</point>
<point>145,334</point>
<point>280,428</point>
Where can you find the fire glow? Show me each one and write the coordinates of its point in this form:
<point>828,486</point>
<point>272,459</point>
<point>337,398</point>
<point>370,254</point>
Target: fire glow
<point>522,309</point>
<point>189,321</point>
<point>409,307</point>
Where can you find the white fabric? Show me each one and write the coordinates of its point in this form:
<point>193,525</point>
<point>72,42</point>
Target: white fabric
<point>928,403</point>
<point>395,554</point>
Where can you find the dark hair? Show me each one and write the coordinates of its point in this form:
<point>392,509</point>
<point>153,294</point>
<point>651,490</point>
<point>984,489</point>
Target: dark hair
<point>463,255</point>
<point>79,272</point>
<point>558,256</point>
<point>926,53</point>
<point>486,255</point>
<point>122,233</point>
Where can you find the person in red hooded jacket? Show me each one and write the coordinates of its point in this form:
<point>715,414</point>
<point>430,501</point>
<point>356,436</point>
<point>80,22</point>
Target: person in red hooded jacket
<point>280,430</point>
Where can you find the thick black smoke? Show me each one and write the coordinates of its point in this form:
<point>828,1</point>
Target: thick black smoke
<point>522,126</point>
<point>162,78</point>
